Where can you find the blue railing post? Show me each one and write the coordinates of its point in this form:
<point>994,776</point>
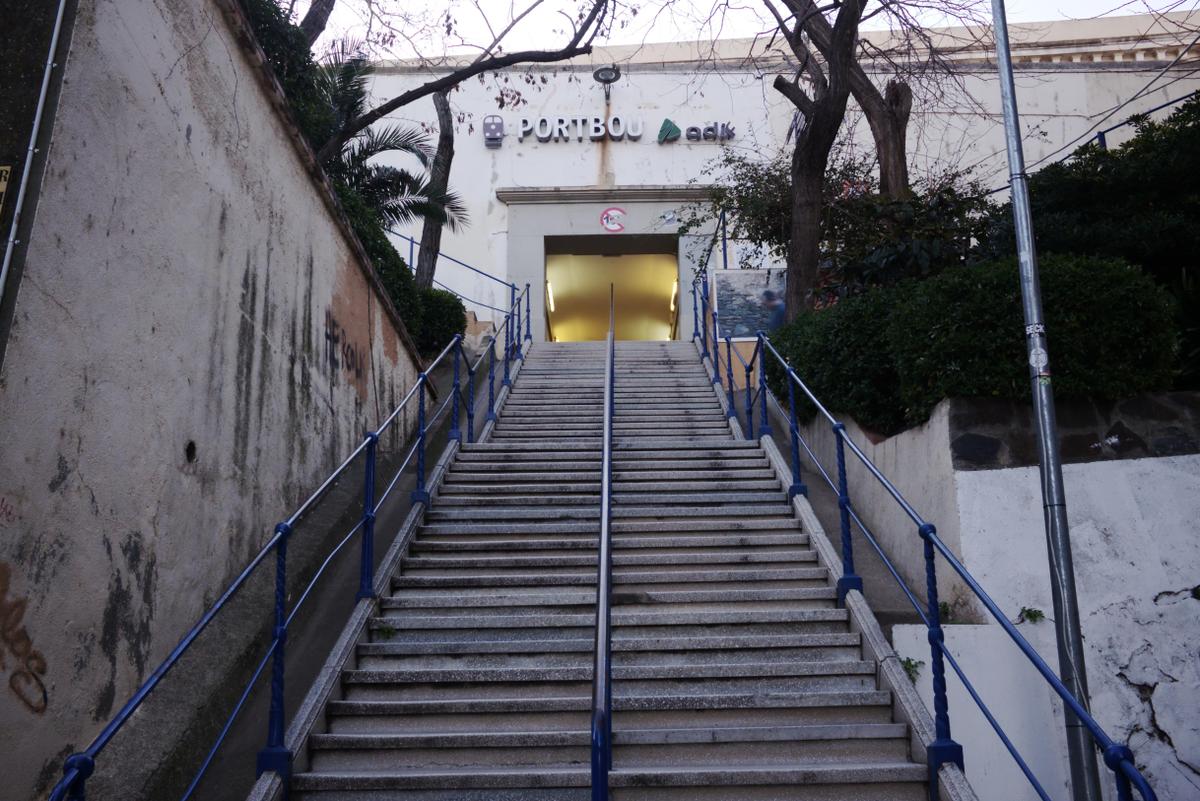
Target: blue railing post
<point>849,580</point>
<point>84,766</point>
<point>470,401</point>
<point>518,342</point>
<point>276,757</point>
<point>703,311</point>
<point>750,396</point>
<point>421,494</point>
<point>764,430</point>
<point>491,412</point>
<point>716,349</point>
<point>696,327</point>
<point>1114,755</point>
<point>528,317</point>
<point>508,331</point>
<point>366,578</point>
<point>797,487</point>
<point>729,375</point>
<point>943,750</point>
<point>456,394</point>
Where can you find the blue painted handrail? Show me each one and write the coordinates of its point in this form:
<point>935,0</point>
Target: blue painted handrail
<point>944,749</point>
<point>602,672</point>
<point>275,756</point>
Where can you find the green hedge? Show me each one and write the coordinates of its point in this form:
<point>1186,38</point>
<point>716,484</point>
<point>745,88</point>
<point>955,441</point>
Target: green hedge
<point>888,357</point>
<point>442,316</point>
<point>837,353</point>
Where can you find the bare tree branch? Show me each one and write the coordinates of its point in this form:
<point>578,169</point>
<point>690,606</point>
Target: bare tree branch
<point>579,44</point>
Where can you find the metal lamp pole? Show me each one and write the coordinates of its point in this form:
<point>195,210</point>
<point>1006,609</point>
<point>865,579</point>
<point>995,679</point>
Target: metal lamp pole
<point>1085,780</point>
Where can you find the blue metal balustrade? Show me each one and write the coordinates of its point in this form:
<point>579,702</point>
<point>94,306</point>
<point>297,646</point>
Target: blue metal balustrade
<point>944,749</point>
<point>602,672</point>
<point>275,755</point>
<point>413,244</point>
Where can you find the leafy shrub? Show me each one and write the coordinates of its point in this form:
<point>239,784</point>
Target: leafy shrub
<point>840,353</point>
<point>868,240</point>
<point>287,51</point>
<point>888,357</point>
<point>442,317</point>
<point>1111,332</point>
<point>1139,202</point>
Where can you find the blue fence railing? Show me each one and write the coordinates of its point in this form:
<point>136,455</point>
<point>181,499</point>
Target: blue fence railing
<point>413,244</point>
<point>275,755</point>
<point>602,671</point>
<point>944,749</point>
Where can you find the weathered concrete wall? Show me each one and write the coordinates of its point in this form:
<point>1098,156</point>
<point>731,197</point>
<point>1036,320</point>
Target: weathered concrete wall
<point>195,344</point>
<point>1137,561</point>
<point>918,462</point>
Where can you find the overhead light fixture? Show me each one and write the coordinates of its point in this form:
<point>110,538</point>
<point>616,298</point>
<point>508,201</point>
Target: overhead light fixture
<point>607,76</point>
<point>550,296</point>
<point>674,295</point>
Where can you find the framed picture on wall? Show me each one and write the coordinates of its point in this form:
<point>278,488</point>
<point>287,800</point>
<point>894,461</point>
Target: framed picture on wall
<point>749,301</point>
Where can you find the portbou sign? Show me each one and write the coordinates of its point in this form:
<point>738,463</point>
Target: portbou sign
<point>563,129</point>
<point>596,129</point>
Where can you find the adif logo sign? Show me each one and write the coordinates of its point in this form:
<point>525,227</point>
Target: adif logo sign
<point>713,132</point>
<point>563,129</point>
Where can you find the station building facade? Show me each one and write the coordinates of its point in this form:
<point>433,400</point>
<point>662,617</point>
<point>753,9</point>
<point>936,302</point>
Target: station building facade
<point>572,188</point>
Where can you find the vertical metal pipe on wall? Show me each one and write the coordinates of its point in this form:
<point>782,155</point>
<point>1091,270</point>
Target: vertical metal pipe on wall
<point>1085,780</point>
<point>27,167</point>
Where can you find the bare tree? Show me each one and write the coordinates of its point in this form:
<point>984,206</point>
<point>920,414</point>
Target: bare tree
<point>439,181</point>
<point>820,90</point>
<point>593,18</point>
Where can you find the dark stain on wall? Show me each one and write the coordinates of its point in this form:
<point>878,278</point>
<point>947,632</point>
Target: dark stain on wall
<point>127,612</point>
<point>243,378</point>
<point>62,471</point>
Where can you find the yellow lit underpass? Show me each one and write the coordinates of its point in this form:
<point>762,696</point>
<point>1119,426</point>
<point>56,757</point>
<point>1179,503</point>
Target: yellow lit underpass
<point>647,296</point>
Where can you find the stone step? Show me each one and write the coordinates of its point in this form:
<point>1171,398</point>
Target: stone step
<point>553,480</point>
<point>687,526</point>
<point>735,510</point>
<point>571,712</point>
<point>467,602</point>
<point>532,498</point>
<point>581,658</point>
<point>674,446</point>
<point>621,576</point>
<point>582,542</point>
<point>633,747</point>
<point>623,643</point>
<point>688,616</point>
<point>722,558</point>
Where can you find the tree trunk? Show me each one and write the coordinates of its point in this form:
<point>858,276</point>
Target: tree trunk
<point>888,114</point>
<point>314,22</point>
<point>439,182</point>
<point>804,246</point>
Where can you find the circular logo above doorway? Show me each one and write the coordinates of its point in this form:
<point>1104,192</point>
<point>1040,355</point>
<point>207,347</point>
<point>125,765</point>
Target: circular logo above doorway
<point>610,219</point>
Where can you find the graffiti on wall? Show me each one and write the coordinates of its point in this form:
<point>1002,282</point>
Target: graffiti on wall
<point>26,665</point>
<point>343,354</point>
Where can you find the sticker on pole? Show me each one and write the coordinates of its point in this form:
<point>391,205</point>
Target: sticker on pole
<point>610,219</point>
<point>1039,359</point>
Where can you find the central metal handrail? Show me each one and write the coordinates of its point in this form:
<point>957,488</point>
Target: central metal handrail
<point>944,749</point>
<point>602,673</point>
<point>276,756</point>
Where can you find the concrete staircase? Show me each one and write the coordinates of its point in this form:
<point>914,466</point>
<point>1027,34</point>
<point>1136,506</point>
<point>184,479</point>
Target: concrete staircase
<point>736,676</point>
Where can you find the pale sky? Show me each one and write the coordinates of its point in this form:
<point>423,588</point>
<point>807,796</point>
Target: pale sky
<point>683,20</point>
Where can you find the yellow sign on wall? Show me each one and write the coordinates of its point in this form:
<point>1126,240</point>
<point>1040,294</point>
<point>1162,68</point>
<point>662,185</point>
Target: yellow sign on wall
<point>4,173</point>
